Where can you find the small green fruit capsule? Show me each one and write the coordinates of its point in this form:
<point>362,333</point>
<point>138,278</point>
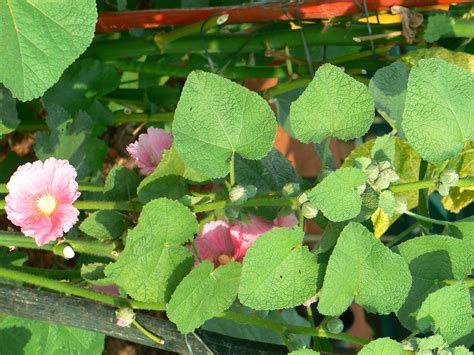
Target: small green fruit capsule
<point>309,211</point>
<point>238,194</point>
<point>335,326</point>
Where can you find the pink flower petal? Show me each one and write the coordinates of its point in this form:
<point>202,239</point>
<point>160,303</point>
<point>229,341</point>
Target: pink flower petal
<point>288,221</point>
<point>214,241</point>
<point>149,147</point>
<point>53,178</point>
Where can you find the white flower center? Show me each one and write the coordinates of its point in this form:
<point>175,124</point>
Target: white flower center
<point>46,204</point>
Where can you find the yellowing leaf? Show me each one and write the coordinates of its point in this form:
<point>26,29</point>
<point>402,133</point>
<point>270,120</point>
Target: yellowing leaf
<point>383,19</point>
<point>381,222</point>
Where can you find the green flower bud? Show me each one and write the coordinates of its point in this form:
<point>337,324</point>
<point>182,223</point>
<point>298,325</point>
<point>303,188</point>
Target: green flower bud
<point>381,183</point>
<point>372,172</point>
<point>238,194</point>
<point>335,326</point>
<point>449,178</point>
<point>302,198</point>
<point>251,191</point>
<point>309,211</point>
<point>232,213</point>
<point>384,165</point>
<point>291,189</point>
<point>400,205</point>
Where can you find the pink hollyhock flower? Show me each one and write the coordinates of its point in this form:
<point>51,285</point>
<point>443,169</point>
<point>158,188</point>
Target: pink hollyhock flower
<point>215,244</point>
<point>288,221</point>
<point>149,147</point>
<point>40,199</point>
<point>243,235</point>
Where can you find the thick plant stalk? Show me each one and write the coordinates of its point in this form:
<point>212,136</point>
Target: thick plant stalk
<point>267,12</point>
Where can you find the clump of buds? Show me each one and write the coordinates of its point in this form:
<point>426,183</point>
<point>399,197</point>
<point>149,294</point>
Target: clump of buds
<point>379,174</point>
<point>125,316</point>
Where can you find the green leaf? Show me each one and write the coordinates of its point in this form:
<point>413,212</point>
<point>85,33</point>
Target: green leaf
<point>438,25</point>
<point>8,115</point>
<point>431,260</point>
<point>153,261</point>
<point>388,87</point>
<point>278,271</point>
<point>437,117</point>
<point>216,118</point>
<point>304,352</point>
<point>20,336</point>
<point>463,229</point>
<point>9,164</point>
<point>103,225</point>
<point>70,138</point>
<point>361,268</point>
<point>460,350</point>
<point>203,294</point>
<point>429,343</point>
<point>461,59</point>
<point>268,174</point>
<point>387,202</point>
<point>168,179</point>
<point>121,184</point>
<point>384,148</point>
<point>40,39</point>
<point>382,346</point>
<point>448,312</point>
<point>333,105</point>
<point>80,87</point>
<point>337,197</point>
<point>94,273</point>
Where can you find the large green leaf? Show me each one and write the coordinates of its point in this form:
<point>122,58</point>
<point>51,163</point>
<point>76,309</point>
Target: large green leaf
<point>216,118</point>
<point>382,346</point>
<point>154,261</point>
<point>463,229</point>
<point>388,87</point>
<point>70,138</point>
<point>121,184</point>
<point>8,114</point>
<point>437,120</point>
<point>203,294</point>
<point>103,225</point>
<point>337,197</point>
<point>333,105</point>
<point>431,260</point>
<point>278,272</point>
<point>361,268</point>
<point>448,312</point>
<point>20,336</point>
<point>461,59</point>
<point>268,174</point>
<point>80,87</point>
<point>40,39</point>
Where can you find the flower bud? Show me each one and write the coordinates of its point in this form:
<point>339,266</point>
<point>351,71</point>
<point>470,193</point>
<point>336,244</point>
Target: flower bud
<point>381,183</point>
<point>291,189</point>
<point>335,326</point>
<point>232,213</point>
<point>448,178</point>
<point>400,205</point>
<point>68,252</point>
<point>302,198</point>
<point>125,316</point>
<point>251,191</point>
<point>372,172</point>
<point>309,211</point>
<point>238,194</point>
<point>410,345</point>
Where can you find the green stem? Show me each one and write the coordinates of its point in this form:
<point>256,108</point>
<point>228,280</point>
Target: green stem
<point>423,202</point>
<point>326,152</point>
<point>316,342</point>
<point>402,235</point>
<point>76,291</point>
<point>461,28</point>
<point>108,205</point>
<point>427,219</point>
<point>230,43</point>
<point>146,333</point>
<point>469,282</point>
<point>232,170</point>
<point>91,247</point>
<point>281,328</point>
<point>50,273</point>
<point>256,202</point>
<point>427,184</point>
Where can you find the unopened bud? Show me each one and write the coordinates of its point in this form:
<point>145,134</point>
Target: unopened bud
<point>238,194</point>
<point>302,198</point>
<point>68,252</point>
<point>400,205</point>
<point>309,211</point>
<point>372,172</point>
<point>449,178</point>
<point>125,316</point>
<point>409,345</point>
<point>335,326</point>
<point>291,189</point>
<point>251,191</point>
